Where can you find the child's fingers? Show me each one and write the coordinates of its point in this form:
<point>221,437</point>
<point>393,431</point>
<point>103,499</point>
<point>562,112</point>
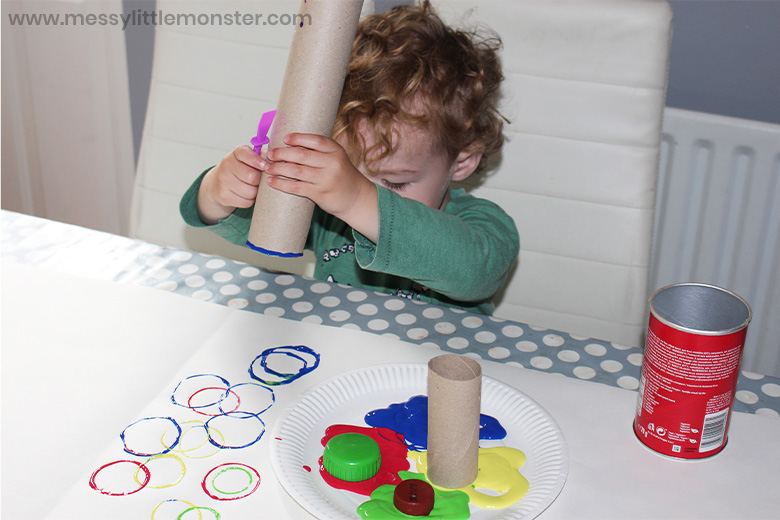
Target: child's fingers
<point>290,170</point>
<point>311,141</point>
<point>297,155</point>
<point>288,185</point>
<point>247,175</point>
<point>238,201</point>
<point>243,201</point>
<point>311,150</point>
<point>245,154</point>
<point>235,192</point>
<point>234,195</point>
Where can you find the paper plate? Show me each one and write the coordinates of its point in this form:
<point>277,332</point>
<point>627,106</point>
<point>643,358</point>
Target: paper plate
<point>345,399</point>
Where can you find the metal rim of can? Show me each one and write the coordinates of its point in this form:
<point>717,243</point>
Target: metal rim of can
<point>683,328</point>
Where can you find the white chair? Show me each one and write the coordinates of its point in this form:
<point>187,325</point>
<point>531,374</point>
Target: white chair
<point>584,91</point>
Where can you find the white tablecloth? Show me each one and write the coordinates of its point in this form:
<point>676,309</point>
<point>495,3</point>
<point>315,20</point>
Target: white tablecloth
<point>82,359</point>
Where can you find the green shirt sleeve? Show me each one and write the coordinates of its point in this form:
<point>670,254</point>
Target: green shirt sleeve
<point>464,252</point>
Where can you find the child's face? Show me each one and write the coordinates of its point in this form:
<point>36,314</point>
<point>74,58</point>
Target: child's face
<point>417,170</point>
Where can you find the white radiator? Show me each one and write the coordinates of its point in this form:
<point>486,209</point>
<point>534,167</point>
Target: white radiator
<point>718,218</point>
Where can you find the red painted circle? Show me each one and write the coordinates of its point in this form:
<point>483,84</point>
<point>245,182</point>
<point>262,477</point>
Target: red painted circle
<point>147,477</point>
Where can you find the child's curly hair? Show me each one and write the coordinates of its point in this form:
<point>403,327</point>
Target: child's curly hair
<point>407,65</point>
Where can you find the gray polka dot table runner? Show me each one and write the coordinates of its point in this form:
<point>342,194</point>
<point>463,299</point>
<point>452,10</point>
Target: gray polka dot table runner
<point>75,250</point>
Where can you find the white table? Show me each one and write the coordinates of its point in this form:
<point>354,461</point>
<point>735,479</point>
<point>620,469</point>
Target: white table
<point>84,358</point>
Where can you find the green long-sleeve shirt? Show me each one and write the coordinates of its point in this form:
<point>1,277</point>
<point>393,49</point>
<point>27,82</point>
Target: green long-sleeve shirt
<point>459,257</point>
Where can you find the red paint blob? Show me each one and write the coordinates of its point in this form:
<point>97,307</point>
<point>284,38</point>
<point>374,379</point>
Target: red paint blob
<point>392,448</point>
<point>307,468</point>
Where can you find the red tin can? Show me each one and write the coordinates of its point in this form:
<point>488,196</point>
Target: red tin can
<point>689,374</point>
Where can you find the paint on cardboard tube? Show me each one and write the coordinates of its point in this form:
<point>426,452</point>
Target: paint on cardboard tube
<point>454,394</point>
<point>694,345</point>
<point>309,101</point>
<point>268,252</point>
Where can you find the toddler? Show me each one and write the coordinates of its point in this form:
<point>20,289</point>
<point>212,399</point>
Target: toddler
<point>418,111</point>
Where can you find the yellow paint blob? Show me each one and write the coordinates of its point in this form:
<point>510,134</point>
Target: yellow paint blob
<point>498,472</point>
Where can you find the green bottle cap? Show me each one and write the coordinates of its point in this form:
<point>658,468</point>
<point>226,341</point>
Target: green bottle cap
<point>352,457</point>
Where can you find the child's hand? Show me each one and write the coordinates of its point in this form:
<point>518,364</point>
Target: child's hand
<point>229,185</point>
<point>319,169</point>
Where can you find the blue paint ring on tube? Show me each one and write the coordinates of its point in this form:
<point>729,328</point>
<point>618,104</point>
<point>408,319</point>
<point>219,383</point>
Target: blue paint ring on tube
<point>272,253</point>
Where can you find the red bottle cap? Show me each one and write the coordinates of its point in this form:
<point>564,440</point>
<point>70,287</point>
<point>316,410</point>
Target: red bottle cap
<point>414,497</point>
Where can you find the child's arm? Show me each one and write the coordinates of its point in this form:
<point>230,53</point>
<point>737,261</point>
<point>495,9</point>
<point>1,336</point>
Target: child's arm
<point>465,252</point>
<point>229,185</point>
<point>318,168</point>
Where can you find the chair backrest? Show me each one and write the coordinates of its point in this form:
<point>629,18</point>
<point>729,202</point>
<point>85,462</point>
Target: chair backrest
<point>584,91</point>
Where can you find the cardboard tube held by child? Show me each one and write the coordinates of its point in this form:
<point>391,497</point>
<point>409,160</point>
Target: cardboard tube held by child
<point>309,101</point>
<point>454,392</point>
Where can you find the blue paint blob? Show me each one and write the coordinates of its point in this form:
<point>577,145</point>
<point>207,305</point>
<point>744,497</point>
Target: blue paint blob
<point>411,420</point>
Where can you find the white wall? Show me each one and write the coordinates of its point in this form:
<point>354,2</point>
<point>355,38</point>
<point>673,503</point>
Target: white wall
<point>64,96</point>
<point>66,137</point>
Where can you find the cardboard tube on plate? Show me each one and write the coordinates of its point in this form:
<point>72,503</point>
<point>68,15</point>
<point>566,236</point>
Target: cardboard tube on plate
<point>454,392</point>
<point>309,101</point>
